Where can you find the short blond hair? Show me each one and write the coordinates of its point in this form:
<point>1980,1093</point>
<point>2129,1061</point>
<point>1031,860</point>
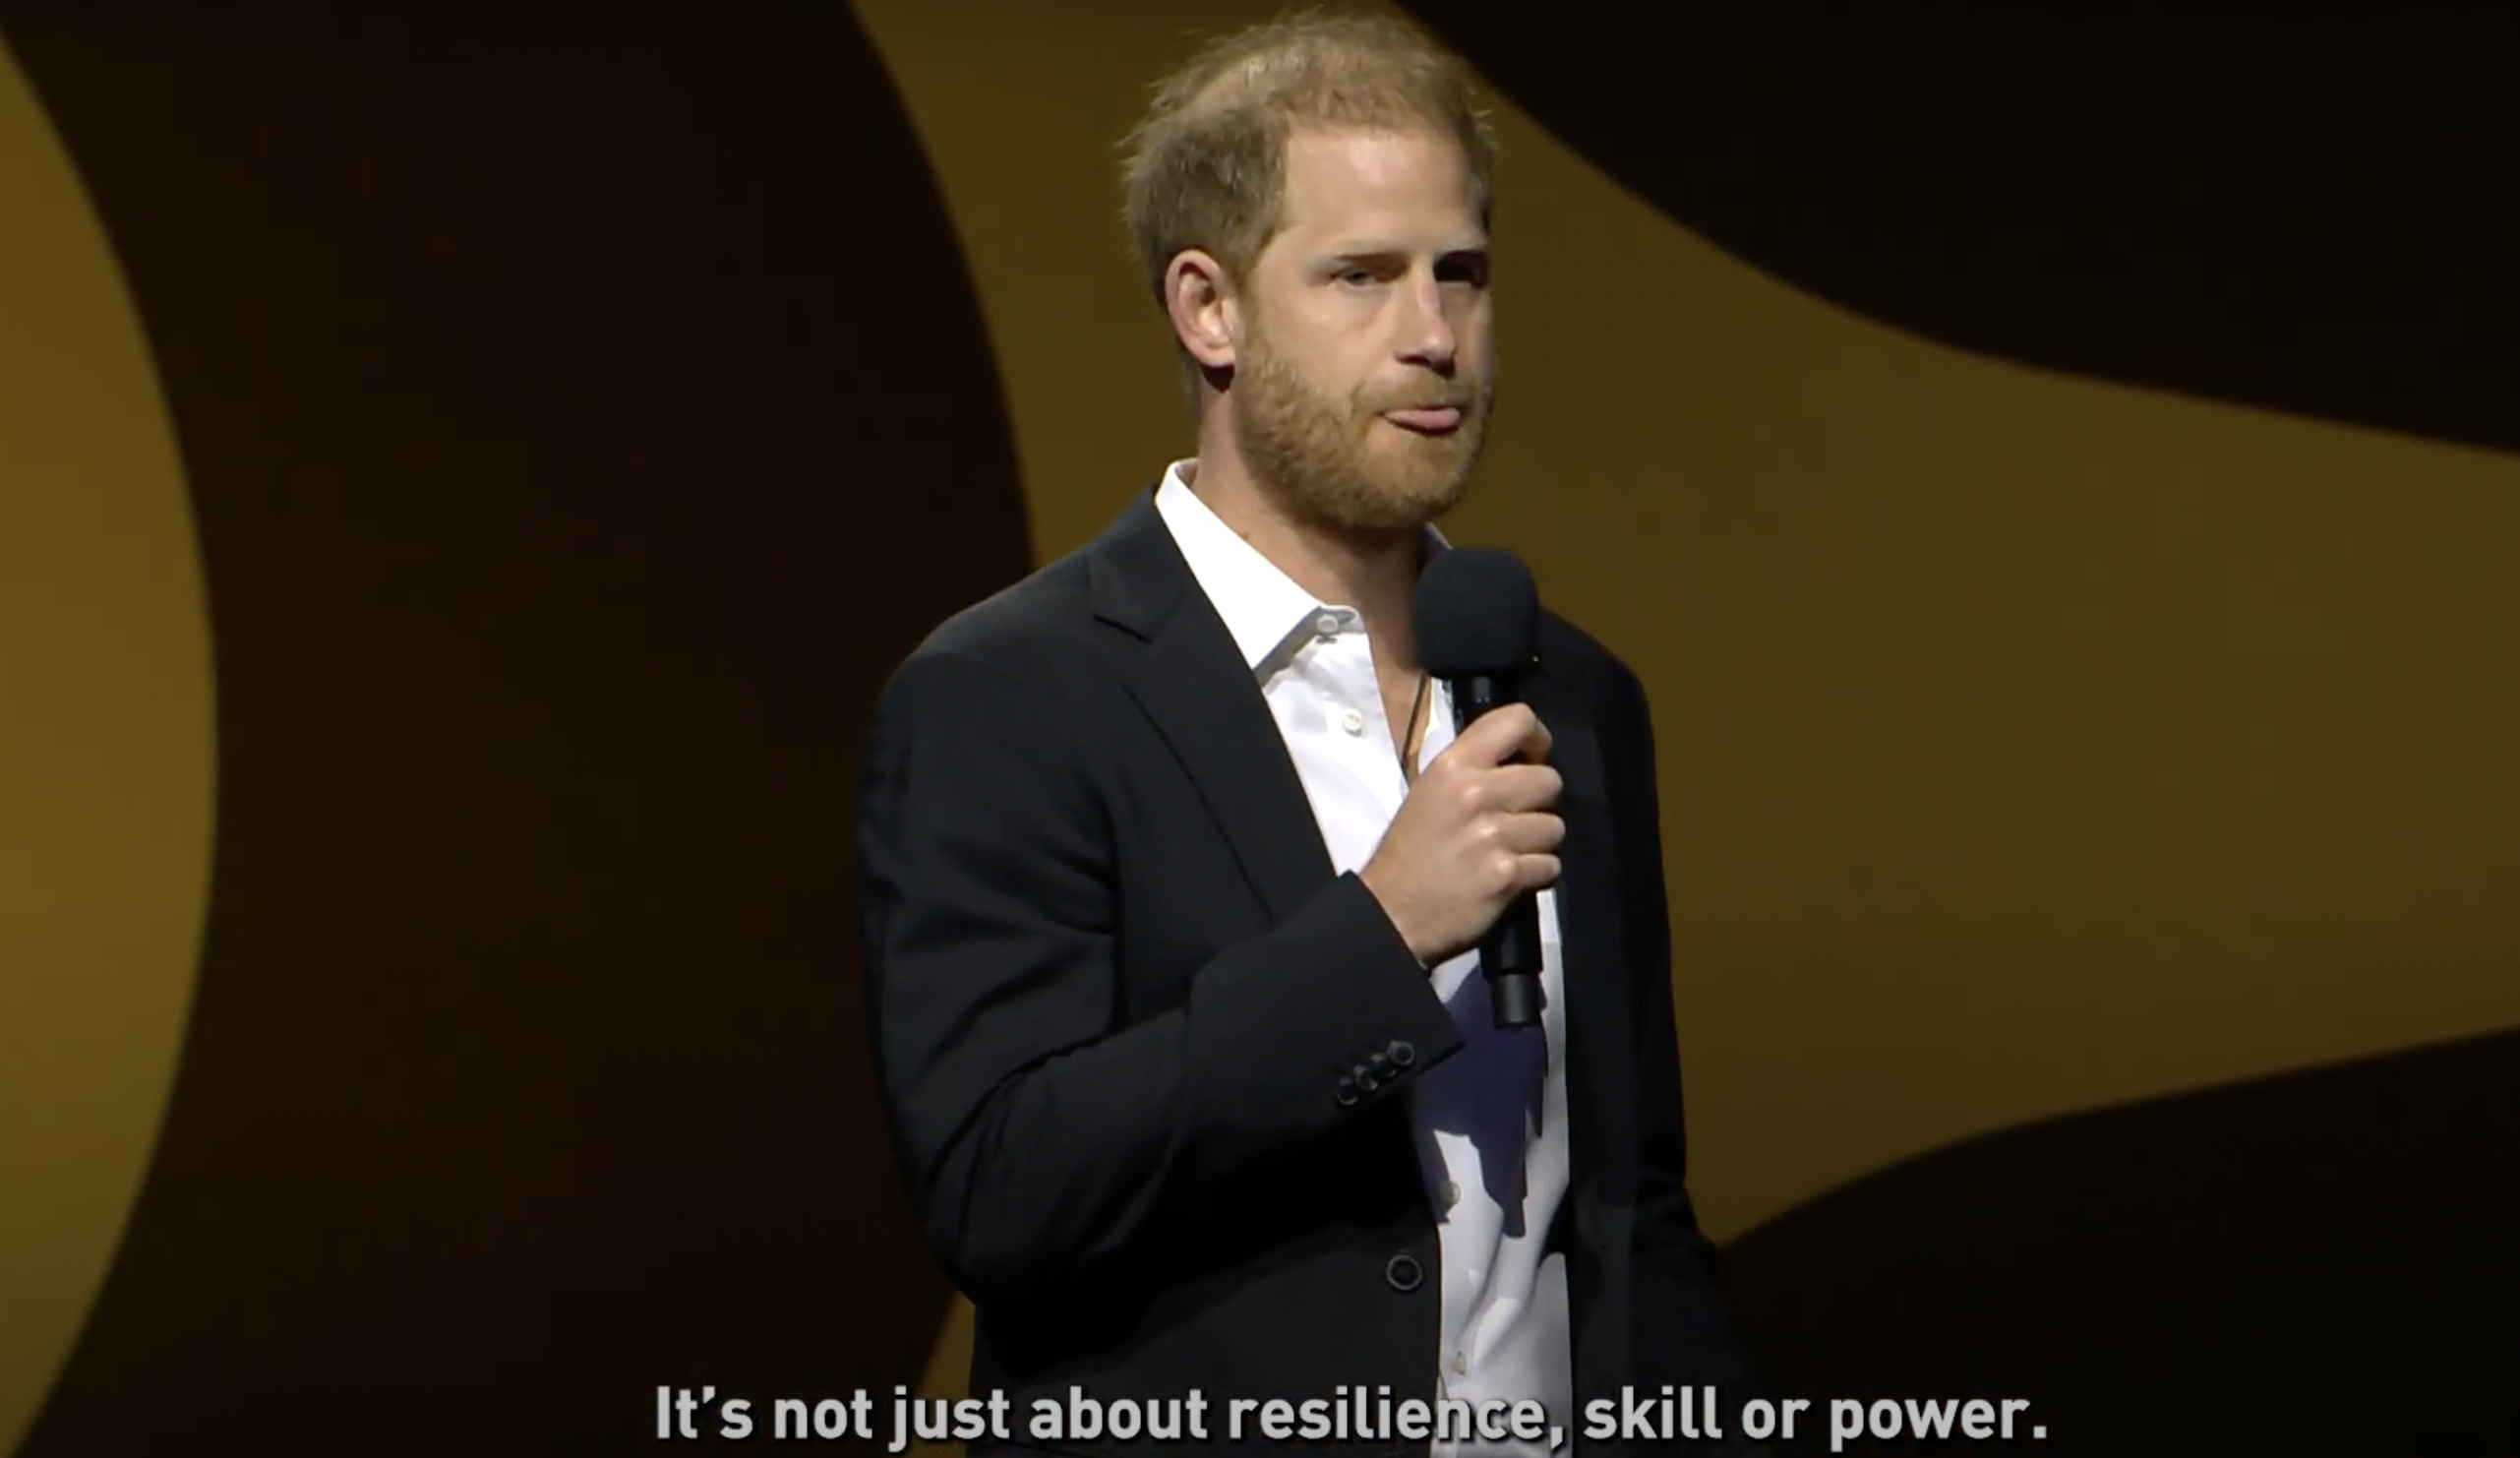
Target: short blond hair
<point>1206,169</point>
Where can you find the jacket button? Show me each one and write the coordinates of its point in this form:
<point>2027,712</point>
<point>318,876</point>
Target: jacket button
<point>1381,1063</point>
<point>1404,1272</point>
<point>1347,1093</point>
<point>1400,1054</point>
<point>1365,1079</point>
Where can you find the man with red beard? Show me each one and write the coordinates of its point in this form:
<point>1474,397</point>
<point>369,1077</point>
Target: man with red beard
<point>1174,870</point>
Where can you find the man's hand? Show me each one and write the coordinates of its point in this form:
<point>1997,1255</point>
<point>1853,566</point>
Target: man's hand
<point>1474,832</point>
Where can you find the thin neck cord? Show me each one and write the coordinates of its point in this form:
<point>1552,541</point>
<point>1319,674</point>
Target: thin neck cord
<point>1408,735</point>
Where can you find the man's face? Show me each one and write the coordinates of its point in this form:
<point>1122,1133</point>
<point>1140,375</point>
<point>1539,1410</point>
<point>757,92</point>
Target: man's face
<point>1364,381</point>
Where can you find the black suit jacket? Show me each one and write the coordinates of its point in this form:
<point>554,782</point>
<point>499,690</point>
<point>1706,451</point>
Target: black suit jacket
<point>1120,1003</point>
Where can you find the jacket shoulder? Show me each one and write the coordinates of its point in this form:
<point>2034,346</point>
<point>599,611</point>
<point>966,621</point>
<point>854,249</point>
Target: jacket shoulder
<point>1039,618</point>
<point>1569,653</point>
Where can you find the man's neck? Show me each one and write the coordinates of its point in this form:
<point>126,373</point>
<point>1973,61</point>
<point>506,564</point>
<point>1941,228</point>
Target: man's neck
<point>1375,574</point>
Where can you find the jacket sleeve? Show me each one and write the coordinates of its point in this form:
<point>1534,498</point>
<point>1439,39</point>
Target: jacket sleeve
<point>1039,1134</point>
<point>1683,1328</point>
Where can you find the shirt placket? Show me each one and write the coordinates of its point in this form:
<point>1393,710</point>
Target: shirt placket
<point>1344,662</point>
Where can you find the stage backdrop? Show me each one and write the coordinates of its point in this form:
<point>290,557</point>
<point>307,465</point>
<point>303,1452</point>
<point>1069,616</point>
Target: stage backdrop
<point>466,473</point>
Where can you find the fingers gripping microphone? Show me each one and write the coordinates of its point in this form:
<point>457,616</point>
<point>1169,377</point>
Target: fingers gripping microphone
<point>1478,630</point>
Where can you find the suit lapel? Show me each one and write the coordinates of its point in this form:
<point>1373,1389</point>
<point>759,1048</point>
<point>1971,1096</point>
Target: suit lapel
<point>1590,930</point>
<point>1588,890</point>
<point>1192,681</point>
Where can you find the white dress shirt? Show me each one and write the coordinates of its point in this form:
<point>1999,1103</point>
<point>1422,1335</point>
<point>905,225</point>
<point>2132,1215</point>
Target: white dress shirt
<point>1491,1119</point>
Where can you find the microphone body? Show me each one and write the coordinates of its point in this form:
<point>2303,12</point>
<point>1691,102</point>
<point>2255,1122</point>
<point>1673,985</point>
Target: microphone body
<point>1509,955</point>
<point>1478,630</point>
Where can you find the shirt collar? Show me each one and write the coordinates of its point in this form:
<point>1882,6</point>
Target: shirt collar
<point>1262,607</point>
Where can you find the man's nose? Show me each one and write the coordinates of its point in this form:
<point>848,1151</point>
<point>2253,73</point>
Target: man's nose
<point>1427,336</point>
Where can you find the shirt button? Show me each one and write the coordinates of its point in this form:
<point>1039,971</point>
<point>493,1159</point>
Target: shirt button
<point>1352,721</point>
<point>1451,1194</point>
<point>1461,1362</point>
<point>1327,625</point>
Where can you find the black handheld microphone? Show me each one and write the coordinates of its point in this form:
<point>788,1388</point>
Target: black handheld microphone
<point>1478,630</point>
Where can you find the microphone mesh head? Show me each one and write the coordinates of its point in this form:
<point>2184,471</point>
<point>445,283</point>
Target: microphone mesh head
<point>1479,614</point>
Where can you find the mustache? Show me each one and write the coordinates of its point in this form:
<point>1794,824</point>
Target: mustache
<point>1463,401</point>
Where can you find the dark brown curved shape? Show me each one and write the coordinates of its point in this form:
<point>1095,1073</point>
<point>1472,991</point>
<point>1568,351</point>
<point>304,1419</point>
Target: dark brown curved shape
<point>2317,1262</point>
<point>2301,211</point>
<point>585,410</point>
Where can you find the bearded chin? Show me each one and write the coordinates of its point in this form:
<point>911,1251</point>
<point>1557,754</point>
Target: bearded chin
<point>1328,462</point>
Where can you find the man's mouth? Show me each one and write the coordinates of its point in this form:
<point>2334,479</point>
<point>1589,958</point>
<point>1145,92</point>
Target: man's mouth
<point>1426,419</point>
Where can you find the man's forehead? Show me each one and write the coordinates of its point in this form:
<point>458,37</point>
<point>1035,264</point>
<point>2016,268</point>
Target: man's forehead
<point>1385,203</point>
<point>1373,159</point>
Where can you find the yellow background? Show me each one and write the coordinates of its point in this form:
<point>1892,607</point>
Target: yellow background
<point>105,755</point>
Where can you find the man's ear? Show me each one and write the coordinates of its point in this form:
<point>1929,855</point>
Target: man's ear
<point>1206,315</point>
